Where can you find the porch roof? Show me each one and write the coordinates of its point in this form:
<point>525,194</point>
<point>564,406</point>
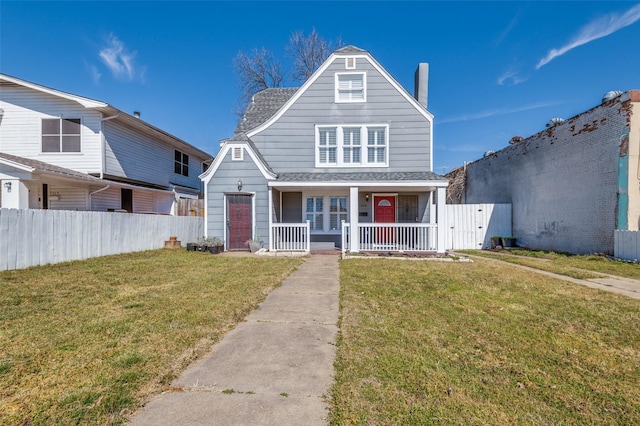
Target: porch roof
<point>395,177</point>
<point>50,169</point>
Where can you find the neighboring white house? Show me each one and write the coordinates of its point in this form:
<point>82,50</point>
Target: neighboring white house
<point>350,146</point>
<point>67,152</point>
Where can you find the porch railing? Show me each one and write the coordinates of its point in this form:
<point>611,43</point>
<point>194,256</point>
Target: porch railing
<point>401,237</point>
<point>290,237</point>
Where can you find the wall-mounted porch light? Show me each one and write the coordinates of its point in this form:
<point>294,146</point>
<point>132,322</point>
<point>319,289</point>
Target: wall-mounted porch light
<point>366,197</point>
<point>239,185</point>
<point>7,185</point>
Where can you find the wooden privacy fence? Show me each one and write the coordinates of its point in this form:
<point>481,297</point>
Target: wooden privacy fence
<point>626,245</point>
<point>471,226</point>
<point>38,237</point>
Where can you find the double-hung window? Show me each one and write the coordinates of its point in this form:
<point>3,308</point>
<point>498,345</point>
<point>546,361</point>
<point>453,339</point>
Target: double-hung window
<point>315,213</point>
<point>352,146</point>
<point>376,145</point>
<point>351,87</point>
<point>181,163</point>
<point>337,212</point>
<point>61,135</point>
<point>327,145</point>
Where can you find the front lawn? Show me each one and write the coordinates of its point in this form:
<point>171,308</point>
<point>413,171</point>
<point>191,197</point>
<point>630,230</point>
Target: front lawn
<point>85,342</point>
<point>481,343</point>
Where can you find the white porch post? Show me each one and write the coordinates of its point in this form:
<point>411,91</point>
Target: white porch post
<point>15,194</point>
<point>354,232</point>
<point>270,219</point>
<point>441,194</point>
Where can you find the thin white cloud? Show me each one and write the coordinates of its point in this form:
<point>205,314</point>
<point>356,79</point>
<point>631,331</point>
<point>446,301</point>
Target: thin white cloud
<point>508,29</point>
<point>94,71</point>
<point>594,30</point>
<point>120,60</point>
<point>512,76</point>
<point>495,112</point>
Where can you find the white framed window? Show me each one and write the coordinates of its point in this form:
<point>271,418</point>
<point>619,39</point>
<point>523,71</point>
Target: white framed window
<point>351,148</point>
<point>327,145</point>
<point>338,211</point>
<point>377,145</point>
<point>325,213</point>
<point>351,87</point>
<point>344,145</point>
<point>350,63</point>
<point>61,135</point>
<point>237,153</point>
<point>315,213</point>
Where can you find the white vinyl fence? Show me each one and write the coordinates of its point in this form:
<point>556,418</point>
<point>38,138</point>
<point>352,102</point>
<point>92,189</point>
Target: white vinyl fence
<point>471,226</point>
<point>627,245</point>
<point>38,237</point>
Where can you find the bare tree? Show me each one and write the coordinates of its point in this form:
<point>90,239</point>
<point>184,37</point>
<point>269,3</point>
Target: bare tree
<point>308,52</point>
<point>257,71</point>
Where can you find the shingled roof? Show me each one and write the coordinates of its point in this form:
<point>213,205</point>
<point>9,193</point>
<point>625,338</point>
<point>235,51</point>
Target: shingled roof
<point>359,177</point>
<point>263,106</point>
<point>47,168</point>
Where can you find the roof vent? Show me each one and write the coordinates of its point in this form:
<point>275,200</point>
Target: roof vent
<point>488,153</point>
<point>555,121</point>
<point>136,114</point>
<point>611,95</point>
<point>516,139</point>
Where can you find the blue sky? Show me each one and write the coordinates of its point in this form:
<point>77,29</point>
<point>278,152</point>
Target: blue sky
<point>497,69</point>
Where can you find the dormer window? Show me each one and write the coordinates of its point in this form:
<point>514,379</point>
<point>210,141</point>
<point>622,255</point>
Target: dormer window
<point>351,87</point>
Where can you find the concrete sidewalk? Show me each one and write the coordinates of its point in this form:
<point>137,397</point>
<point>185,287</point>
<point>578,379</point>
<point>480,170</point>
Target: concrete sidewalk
<point>275,368</point>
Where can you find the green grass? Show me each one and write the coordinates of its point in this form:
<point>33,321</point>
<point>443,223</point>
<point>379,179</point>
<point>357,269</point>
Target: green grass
<point>87,342</point>
<point>481,343</point>
<point>576,266</point>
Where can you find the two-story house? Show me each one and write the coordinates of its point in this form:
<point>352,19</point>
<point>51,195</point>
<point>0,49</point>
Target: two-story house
<point>68,152</point>
<point>344,160</point>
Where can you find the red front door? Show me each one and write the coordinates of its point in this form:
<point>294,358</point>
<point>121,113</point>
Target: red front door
<point>238,221</point>
<point>384,211</point>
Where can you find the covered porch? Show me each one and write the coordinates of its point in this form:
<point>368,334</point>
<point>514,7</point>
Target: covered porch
<point>397,214</point>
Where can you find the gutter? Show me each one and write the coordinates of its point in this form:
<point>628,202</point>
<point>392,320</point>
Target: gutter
<point>95,192</point>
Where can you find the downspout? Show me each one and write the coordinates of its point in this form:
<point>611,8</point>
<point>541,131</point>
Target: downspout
<point>95,192</point>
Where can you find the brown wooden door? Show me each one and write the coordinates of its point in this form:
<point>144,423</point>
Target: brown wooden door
<point>239,221</point>
<point>384,211</point>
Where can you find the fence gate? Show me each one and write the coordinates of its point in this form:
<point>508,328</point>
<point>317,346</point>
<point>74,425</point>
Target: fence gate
<point>470,226</point>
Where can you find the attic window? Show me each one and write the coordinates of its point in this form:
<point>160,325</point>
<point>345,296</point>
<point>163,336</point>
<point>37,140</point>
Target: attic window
<point>351,87</point>
<point>237,153</point>
<point>350,63</point>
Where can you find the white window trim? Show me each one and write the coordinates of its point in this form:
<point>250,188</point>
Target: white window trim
<point>340,146</point>
<point>60,118</point>
<point>364,88</point>
<point>350,63</point>
<point>235,150</point>
<point>326,210</point>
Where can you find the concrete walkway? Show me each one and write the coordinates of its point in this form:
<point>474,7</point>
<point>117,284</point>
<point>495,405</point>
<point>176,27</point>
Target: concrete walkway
<point>275,368</point>
<point>626,286</point>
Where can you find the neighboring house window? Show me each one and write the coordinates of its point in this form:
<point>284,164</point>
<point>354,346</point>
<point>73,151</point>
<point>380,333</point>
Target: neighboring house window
<point>315,213</point>
<point>181,164</point>
<point>327,145</point>
<point>376,145</point>
<point>351,87</point>
<point>61,134</point>
<point>342,146</point>
<point>337,212</point>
